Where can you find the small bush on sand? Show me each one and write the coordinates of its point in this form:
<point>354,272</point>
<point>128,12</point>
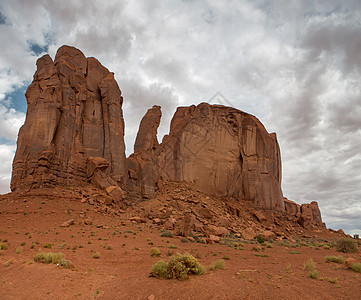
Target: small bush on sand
<point>314,274</point>
<point>96,255</point>
<point>346,245</point>
<point>154,252</point>
<point>310,265</point>
<point>49,257</point>
<point>166,234</point>
<point>3,246</point>
<point>179,267</point>
<point>356,267</point>
<point>217,265</point>
<point>337,259</point>
<point>48,245</point>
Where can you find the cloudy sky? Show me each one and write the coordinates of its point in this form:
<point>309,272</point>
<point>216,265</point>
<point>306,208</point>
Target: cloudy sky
<point>294,64</point>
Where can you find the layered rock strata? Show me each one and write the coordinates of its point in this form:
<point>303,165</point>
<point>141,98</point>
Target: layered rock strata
<point>74,112</point>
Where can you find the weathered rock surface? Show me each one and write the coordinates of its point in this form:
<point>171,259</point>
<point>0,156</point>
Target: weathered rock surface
<point>142,164</point>
<point>74,113</point>
<point>226,152</point>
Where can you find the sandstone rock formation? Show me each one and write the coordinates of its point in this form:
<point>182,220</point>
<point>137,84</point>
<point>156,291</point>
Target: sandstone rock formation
<point>143,167</point>
<point>74,135</point>
<point>74,113</point>
<point>223,150</point>
<point>308,215</point>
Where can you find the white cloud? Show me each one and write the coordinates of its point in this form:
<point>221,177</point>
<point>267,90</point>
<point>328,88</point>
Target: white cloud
<point>293,64</point>
<point>6,156</point>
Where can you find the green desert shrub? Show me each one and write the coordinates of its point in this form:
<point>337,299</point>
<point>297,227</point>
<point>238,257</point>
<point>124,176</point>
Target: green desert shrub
<point>337,259</point>
<point>346,245</point>
<point>310,265</point>
<point>179,267</point>
<point>160,270</point>
<point>48,245</point>
<point>49,257</point>
<point>154,252</point>
<point>314,274</point>
<point>166,233</point>
<point>356,267</point>
<point>217,265</point>
<point>3,246</point>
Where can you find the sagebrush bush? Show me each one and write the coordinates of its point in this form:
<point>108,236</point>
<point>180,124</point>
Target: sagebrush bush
<point>48,245</point>
<point>154,252</point>
<point>3,246</point>
<point>179,267</point>
<point>310,265</point>
<point>217,265</point>
<point>346,245</point>
<point>49,257</point>
<point>314,274</point>
<point>356,267</point>
<point>160,270</point>
<point>166,234</point>
<point>337,259</point>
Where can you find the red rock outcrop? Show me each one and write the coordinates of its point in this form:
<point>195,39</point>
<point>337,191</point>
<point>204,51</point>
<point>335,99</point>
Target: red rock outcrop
<point>74,134</point>
<point>308,215</point>
<point>143,167</point>
<point>74,113</point>
<point>223,150</point>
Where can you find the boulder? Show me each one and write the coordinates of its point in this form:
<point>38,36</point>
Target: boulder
<point>185,226</point>
<point>248,234</point>
<point>268,235</point>
<point>259,216</point>
<point>349,262</point>
<point>218,231</point>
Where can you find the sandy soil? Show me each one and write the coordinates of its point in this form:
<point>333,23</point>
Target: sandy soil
<point>123,268</point>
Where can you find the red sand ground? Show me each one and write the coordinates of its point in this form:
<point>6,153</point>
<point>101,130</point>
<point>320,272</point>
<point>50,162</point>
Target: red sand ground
<point>123,269</point>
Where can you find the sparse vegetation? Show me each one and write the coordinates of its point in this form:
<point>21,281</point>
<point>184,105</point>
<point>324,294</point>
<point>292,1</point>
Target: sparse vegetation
<point>19,250</point>
<point>155,252</point>
<point>96,255</point>
<point>346,245</point>
<point>3,246</point>
<point>356,267</point>
<point>8,263</point>
<point>217,265</point>
<point>337,259</point>
<point>171,246</point>
<point>166,233</point>
<point>314,274</point>
<point>310,265</point>
<point>48,245</point>
<point>233,243</point>
<point>49,257</point>
<point>179,267</point>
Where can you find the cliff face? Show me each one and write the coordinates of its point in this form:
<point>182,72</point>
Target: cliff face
<point>74,112</point>
<point>222,150</point>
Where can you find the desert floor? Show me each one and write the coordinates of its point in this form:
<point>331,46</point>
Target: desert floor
<point>122,270</point>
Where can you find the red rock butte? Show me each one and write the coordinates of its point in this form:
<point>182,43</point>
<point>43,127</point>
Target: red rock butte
<point>74,135</point>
